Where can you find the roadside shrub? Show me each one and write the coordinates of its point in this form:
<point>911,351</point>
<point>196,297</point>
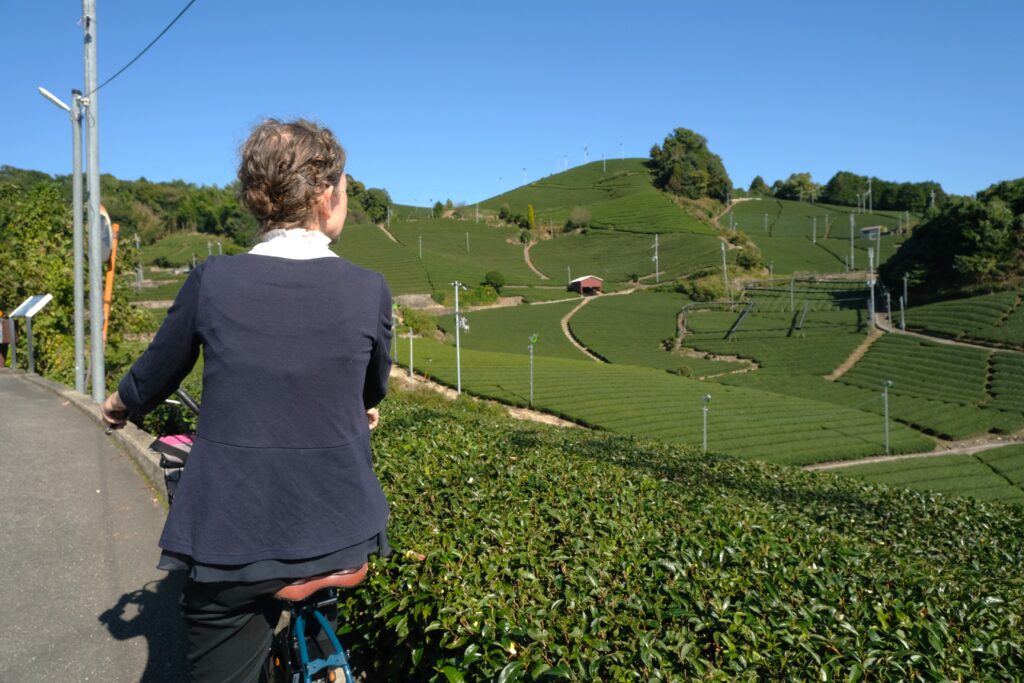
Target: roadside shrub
<point>749,258</point>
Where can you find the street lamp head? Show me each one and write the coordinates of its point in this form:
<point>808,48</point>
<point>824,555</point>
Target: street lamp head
<point>706,397</point>
<point>53,98</point>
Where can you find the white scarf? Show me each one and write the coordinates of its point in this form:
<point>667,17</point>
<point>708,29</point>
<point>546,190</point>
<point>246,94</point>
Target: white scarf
<point>297,243</point>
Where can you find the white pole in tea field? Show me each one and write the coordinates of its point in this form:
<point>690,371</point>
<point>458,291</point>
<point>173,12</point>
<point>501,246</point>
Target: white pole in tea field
<point>220,249</point>
<point>706,398</point>
<point>389,217</point>
<point>725,273</point>
<point>792,302</point>
<point>871,285</point>
<point>410,353</point>
<point>814,231</point>
<point>657,264</point>
<point>885,399</point>
<point>533,340</point>
<point>394,337</point>
<point>604,164</point>
<point>852,260</point>
<point>421,247</point>
<point>903,317</point>
<point>888,308</point>
<point>771,269</point>
<point>905,299</point>
<point>209,248</point>
<point>766,222</point>
<point>477,212</point>
<point>458,349</point>
<point>568,272</point>
<point>467,242</point>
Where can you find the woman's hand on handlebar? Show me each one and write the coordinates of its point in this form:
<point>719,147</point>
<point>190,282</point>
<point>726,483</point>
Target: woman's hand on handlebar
<point>114,411</point>
<point>373,416</point>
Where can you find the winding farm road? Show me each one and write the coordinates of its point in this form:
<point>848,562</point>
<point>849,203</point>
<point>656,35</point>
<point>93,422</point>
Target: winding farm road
<point>529,261</point>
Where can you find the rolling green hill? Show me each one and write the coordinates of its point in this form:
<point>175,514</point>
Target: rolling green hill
<point>621,197</point>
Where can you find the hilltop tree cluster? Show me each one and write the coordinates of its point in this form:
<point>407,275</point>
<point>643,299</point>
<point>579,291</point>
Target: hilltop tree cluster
<point>887,195</point>
<point>966,242</point>
<point>683,165</point>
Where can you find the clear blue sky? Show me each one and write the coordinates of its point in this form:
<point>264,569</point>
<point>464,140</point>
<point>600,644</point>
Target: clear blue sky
<point>437,100</point>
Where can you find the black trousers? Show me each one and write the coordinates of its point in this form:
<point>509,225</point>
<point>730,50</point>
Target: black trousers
<point>230,627</point>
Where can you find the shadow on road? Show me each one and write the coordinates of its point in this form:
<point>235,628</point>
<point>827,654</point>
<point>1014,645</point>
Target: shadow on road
<point>154,613</point>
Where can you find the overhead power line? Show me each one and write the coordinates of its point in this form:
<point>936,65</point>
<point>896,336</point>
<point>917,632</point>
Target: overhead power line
<point>151,44</point>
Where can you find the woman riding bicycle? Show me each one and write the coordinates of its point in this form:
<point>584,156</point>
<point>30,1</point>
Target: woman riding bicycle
<point>280,483</point>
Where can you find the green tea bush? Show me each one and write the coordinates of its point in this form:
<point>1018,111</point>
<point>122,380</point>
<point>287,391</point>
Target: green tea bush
<point>527,553</point>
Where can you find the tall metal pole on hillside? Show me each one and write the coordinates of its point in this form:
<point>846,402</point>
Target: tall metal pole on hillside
<point>705,398</point>
<point>138,270</point>
<point>725,274</point>
<point>657,264</point>
<point>871,285</point>
<point>92,115</point>
<point>885,399</point>
<point>458,348</point>
<point>852,265</point>
<point>814,231</point>
<point>75,111</point>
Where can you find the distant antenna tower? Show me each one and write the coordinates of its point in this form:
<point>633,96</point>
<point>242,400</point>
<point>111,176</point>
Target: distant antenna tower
<point>870,198</point>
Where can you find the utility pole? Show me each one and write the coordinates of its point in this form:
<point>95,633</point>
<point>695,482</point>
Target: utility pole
<point>604,164</point>
<point>906,300</point>
<point>903,317</point>
<point>533,340</point>
<point>871,285</point>
<point>885,399</point>
<point>725,274</point>
<point>706,398</point>
<point>458,349</point>
<point>766,222</point>
<point>389,216</point>
<point>75,112</point>
<point>421,247</point>
<point>871,198</point>
<point>410,353</point>
<point>852,220</point>
<point>657,264</point>
<point>92,145</point>
<point>467,242</point>
<point>477,214</point>
<point>814,231</point>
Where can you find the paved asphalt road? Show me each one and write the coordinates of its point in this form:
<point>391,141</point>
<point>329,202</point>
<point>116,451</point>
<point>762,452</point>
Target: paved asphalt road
<point>80,597</point>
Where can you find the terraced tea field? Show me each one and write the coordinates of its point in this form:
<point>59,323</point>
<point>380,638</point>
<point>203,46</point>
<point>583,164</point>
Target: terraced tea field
<point>997,318</point>
<point>507,330</point>
<point>634,400</point>
<point>368,246</point>
<point>178,248</point>
<point>446,257</point>
<point>634,330</point>
<point>617,256</point>
<point>997,474</point>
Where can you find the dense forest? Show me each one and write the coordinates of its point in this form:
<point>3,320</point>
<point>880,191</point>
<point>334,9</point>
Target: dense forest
<point>849,189</point>
<point>966,243</point>
<point>154,210</point>
<point>683,165</point>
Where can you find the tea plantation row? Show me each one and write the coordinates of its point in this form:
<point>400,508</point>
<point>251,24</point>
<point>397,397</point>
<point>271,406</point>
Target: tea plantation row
<point>995,318</point>
<point>570,555</point>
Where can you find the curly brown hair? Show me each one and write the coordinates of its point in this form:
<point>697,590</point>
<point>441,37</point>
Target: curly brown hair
<point>285,167</point>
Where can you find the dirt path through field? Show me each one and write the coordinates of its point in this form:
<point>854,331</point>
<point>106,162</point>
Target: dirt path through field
<point>529,261</point>
<point>401,375</point>
<point>874,335</point>
<point>883,323</point>
<point>387,232</point>
<point>967,447</point>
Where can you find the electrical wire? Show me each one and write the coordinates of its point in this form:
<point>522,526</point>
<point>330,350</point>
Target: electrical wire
<point>151,44</point>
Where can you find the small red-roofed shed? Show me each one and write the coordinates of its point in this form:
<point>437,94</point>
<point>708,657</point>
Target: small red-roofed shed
<point>586,285</point>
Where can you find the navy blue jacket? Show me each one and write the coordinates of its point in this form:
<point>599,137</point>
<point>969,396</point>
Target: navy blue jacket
<point>294,353</point>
